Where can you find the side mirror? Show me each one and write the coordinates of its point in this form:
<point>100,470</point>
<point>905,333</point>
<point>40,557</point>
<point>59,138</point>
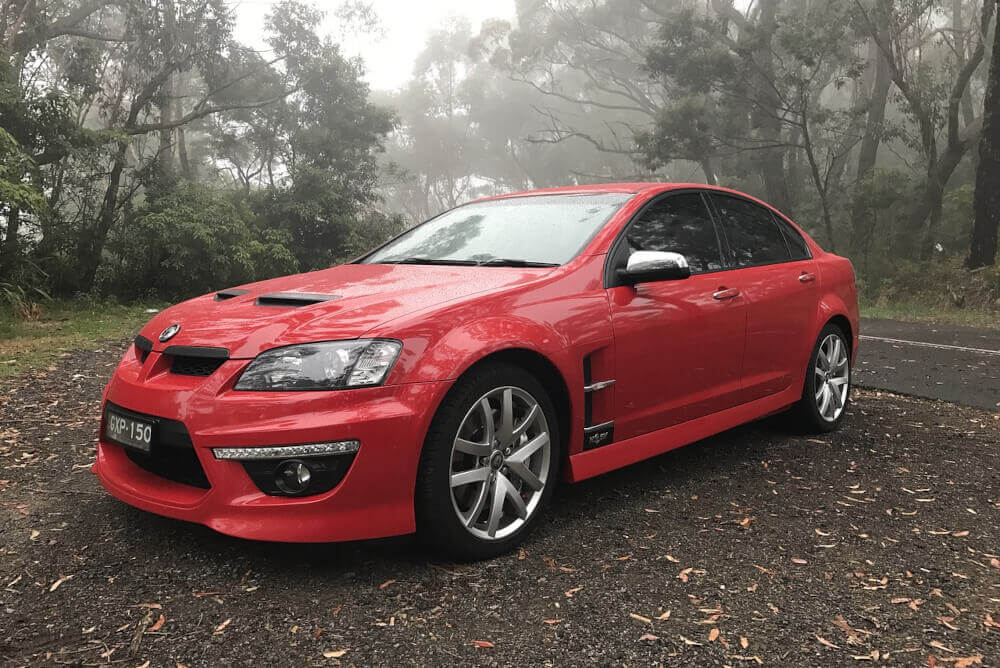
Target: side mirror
<point>648,266</point>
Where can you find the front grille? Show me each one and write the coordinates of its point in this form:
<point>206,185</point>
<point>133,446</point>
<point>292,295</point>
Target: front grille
<point>172,454</point>
<point>195,366</point>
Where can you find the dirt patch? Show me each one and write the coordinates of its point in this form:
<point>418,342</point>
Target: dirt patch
<point>876,543</point>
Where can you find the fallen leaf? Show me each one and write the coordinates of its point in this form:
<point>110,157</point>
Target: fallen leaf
<point>55,585</point>
<point>552,621</point>
<point>649,636</point>
<point>34,534</point>
<point>688,641</point>
<point>959,534</point>
<point>825,642</point>
<point>151,606</point>
<point>989,622</point>
<point>385,584</point>
<point>483,643</point>
<point>521,554</point>
<point>995,563</point>
<point>143,665</point>
<point>744,643</point>
<point>570,592</point>
<point>644,620</point>
<point>797,560</point>
<point>158,624</point>
<point>665,615</point>
<point>334,654</point>
<point>683,575</point>
<point>713,635</point>
<point>221,627</point>
<point>966,661</point>
<point>675,560</point>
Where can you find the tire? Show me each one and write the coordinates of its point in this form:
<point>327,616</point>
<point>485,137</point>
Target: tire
<point>818,410</point>
<point>460,522</point>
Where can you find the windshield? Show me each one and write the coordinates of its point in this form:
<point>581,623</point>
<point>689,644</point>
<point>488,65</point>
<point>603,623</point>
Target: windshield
<point>542,230</point>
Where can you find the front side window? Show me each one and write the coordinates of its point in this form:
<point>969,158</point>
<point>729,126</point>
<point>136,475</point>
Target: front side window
<point>679,224</point>
<point>540,230</point>
<point>754,238</point>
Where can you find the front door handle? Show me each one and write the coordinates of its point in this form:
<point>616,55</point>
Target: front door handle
<point>807,277</point>
<point>726,293</point>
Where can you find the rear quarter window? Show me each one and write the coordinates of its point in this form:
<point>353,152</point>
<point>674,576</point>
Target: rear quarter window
<point>796,244</point>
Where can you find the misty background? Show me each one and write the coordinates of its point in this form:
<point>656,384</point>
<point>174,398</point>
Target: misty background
<point>167,148</point>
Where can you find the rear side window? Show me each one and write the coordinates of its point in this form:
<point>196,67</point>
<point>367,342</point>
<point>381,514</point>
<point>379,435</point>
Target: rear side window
<point>754,237</point>
<point>679,224</point>
<point>796,244</point>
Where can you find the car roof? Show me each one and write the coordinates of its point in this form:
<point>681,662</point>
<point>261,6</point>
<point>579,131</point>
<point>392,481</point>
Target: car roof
<point>631,188</point>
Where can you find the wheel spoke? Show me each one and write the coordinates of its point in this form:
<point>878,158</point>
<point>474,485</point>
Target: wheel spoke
<point>837,401</point>
<point>838,382</point>
<point>527,422</point>
<point>496,510</point>
<point>524,473</point>
<point>835,356</point>
<point>468,477</point>
<point>515,497</point>
<point>488,425</point>
<point>506,432</point>
<point>821,359</point>
<point>472,448</point>
<point>470,517</point>
<point>824,400</point>
<point>524,453</point>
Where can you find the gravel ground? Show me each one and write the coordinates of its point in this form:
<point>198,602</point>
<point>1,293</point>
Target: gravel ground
<point>879,543</point>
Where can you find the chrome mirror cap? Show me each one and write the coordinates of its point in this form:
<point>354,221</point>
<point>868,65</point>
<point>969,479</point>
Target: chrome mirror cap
<point>647,266</point>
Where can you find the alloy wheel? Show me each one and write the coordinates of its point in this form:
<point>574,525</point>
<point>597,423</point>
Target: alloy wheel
<point>500,463</point>
<point>833,375</point>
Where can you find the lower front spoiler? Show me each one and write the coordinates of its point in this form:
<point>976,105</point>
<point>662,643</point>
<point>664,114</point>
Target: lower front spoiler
<point>374,500</point>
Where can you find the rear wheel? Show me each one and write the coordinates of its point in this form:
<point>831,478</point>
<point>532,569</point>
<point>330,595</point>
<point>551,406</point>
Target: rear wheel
<point>827,389</point>
<point>489,463</point>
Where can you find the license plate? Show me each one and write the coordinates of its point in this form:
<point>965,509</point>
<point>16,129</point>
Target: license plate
<point>129,431</point>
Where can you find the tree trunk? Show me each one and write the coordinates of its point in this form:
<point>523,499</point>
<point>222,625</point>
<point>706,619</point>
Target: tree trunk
<point>709,171</point>
<point>11,242</point>
<point>986,202</point>
<point>92,245</point>
<point>766,114</point>
<point>872,137</point>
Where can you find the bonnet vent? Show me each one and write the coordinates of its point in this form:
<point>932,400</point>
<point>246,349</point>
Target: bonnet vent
<point>223,295</point>
<point>293,299</point>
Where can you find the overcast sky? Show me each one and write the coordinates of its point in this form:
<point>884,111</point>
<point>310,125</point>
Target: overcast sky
<point>406,23</point>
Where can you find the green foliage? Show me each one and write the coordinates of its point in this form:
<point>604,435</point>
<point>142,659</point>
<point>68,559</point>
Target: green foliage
<point>191,240</point>
<point>15,192</point>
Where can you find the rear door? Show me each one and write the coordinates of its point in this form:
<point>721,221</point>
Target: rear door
<point>678,344</point>
<point>777,275</point>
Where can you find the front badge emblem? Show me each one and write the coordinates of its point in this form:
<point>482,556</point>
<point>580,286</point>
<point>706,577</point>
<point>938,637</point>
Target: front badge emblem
<point>169,332</point>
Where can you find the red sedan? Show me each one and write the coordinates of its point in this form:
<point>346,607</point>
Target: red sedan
<point>444,382</point>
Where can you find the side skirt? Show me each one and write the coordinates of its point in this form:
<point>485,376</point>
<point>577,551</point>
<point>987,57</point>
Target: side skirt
<point>617,455</point>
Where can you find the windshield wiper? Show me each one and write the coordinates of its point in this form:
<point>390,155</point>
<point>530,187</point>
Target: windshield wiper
<point>430,260</point>
<point>508,262</point>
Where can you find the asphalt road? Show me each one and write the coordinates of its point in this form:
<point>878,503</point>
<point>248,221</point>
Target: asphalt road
<point>947,362</point>
<point>876,544</point>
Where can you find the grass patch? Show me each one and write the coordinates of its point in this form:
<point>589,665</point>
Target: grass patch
<point>914,311</point>
<point>61,327</point>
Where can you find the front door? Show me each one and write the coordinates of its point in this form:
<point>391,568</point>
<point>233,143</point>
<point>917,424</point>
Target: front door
<point>678,344</point>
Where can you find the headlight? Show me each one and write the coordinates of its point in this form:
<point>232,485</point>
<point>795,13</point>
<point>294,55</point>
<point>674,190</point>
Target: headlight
<point>330,365</point>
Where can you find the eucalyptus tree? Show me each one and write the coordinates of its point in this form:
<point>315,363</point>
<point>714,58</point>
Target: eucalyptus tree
<point>983,246</point>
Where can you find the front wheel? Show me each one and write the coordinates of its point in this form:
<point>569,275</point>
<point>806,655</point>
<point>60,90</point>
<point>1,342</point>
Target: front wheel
<point>489,464</point>
<point>827,389</point>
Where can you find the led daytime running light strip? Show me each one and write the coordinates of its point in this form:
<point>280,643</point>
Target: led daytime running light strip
<point>288,451</point>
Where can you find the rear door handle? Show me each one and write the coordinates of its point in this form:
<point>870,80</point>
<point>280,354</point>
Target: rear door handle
<point>726,293</point>
<point>807,277</point>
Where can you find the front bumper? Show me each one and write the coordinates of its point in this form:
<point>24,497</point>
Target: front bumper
<point>375,498</point>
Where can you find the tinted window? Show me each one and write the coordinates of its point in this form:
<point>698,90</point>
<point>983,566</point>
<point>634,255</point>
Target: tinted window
<point>753,236</point>
<point>796,244</point>
<point>680,224</point>
<point>543,228</point>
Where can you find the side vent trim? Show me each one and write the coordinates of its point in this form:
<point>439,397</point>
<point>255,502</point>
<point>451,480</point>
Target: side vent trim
<point>293,299</point>
<point>600,385</point>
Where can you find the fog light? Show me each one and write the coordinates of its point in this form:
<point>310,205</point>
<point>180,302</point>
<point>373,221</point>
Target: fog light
<point>293,477</point>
